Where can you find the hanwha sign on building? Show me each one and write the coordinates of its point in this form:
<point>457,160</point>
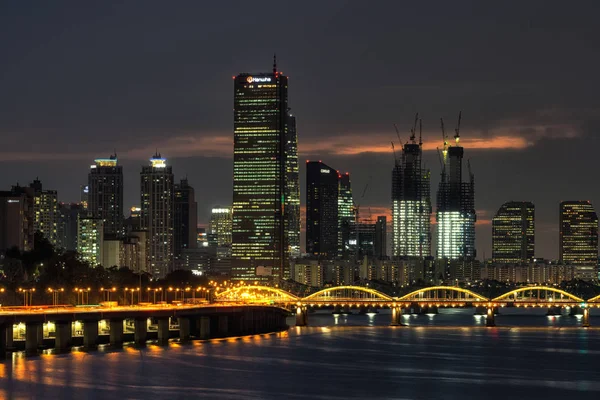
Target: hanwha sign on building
<point>252,79</point>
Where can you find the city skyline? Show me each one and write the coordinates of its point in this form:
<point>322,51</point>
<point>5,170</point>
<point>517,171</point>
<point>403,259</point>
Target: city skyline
<point>524,119</point>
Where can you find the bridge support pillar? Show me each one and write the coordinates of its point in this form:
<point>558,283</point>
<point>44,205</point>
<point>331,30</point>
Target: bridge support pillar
<point>64,332</point>
<point>163,330</point>
<point>586,318</point>
<point>396,316</point>
<point>490,318</point>
<point>140,331</point>
<point>3,334</point>
<point>223,324</point>
<point>10,336</point>
<point>204,328</point>
<point>90,334</point>
<point>184,329</point>
<point>32,337</point>
<point>116,332</point>
<point>301,316</point>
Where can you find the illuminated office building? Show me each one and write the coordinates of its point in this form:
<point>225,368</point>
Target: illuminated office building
<point>263,203</point>
<point>45,208</point>
<point>513,233</point>
<point>411,204</point>
<point>455,206</point>
<point>105,194</point>
<point>578,234</point>
<point>321,210</point>
<point>345,215</point>
<point>157,187</point>
<point>220,226</point>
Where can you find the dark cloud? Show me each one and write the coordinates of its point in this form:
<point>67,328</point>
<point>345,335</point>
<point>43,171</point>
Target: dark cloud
<point>81,79</point>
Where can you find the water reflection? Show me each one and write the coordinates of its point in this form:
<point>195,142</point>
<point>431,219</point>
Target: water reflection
<point>446,355</point>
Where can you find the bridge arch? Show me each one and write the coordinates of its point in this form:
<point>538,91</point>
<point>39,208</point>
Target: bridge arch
<point>594,299</point>
<point>256,294</point>
<point>442,293</point>
<point>347,293</point>
<point>538,293</point>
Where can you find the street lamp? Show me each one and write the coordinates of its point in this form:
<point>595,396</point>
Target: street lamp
<point>106,292</point>
<point>27,296</point>
<point>55,293</point>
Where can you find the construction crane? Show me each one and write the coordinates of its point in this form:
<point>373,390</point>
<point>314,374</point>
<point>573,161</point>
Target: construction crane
<point>445,148</point>
<point>395,157</point>
<point>457,130</point>
<point>414,129</point>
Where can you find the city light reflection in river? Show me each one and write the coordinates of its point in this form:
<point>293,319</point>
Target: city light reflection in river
<point>439,356</point>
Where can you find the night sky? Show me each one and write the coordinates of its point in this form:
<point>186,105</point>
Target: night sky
<point>79,79</point>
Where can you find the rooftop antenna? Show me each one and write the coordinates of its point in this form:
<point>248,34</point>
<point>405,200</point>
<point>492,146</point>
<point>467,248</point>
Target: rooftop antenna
<point>274,63</point>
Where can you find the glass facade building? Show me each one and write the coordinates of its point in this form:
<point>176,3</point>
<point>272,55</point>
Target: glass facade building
<point>185,219</point>
<point>513,233</point>
<point>156,216</point>
<point>578,233</point>
<point>345,215</point>
<point>266,223</point>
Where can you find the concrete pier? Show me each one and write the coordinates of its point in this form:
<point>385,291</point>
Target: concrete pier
<point>184,329</point>
<point>301,316</point>
<point>63,335</point>
<point>204,328</point>
<point>163,330</point>
<point>90,334</point>
<point>140,333</point>
<point>586,318</point>
<point>32,337</point>
<point>116,331</point>
<point>396,316</point>
<point>490,318</point>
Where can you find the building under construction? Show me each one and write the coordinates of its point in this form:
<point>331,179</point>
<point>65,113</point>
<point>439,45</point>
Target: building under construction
<point>411,201</point>
<point>455,204</point>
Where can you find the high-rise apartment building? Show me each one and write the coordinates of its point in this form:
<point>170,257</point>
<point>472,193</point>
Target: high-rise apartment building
<point>513,233</point>
<point>411,203</point>
<point>45,208</point>
<point>346,217</point>
<point>185,225</point>
<point>17,219</point>
<point>157,190</point>
<point>263,202</point>
<point>90,239</point>
<point>321,210</point>
<point>455,214</point>
<point>578,234</point>
<point>69,214</point>
<point>105,194</point>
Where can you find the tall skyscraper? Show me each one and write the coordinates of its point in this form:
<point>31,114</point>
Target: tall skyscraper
<point>156,217</point>
<point>292,187</point>
<point>105,194</point>
<point>381,237</point>
<point>513,233</point>
<point>455,205</point>
<point>321,209</point>
<point>578,234</point>
<point>185,226</point>
<point>45,208</point>
<point>411,203</point>
<point>261,242</point>
<point>345,215</point>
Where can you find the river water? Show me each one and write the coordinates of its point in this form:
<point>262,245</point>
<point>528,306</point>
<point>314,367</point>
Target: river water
<point>450,355</point>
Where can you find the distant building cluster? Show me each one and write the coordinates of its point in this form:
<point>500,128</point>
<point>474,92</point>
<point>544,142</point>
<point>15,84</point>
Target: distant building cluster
<point>257,236</point>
